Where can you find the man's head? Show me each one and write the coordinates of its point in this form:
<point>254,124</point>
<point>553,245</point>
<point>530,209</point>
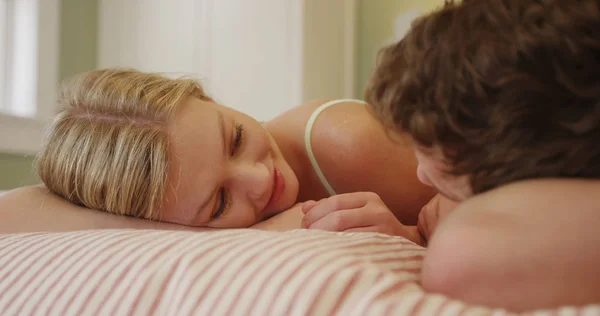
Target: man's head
<point>496,91</point>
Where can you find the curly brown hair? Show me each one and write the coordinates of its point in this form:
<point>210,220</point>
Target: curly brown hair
<point>507,89</point>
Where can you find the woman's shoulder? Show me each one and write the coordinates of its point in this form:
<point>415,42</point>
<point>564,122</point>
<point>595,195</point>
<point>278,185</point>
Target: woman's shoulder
<point>332,126</point>
<point>354,152</point>
<point>347,130</point>
<point>332,109</point>
<point>357,153</point>
<point>340,126</point>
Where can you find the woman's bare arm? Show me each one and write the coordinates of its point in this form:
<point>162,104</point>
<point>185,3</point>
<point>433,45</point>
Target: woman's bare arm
<point>35,209</point>
<point>286,220</point>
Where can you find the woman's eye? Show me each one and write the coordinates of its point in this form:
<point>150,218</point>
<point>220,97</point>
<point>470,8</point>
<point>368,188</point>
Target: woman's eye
<point>223,205</point>
<point>239,138</point>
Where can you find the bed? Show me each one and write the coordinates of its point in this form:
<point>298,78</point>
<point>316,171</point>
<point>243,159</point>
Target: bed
<point>229,272</point>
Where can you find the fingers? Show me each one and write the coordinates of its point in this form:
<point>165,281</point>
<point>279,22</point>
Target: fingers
<point>354,212</point>
<point>306,206</point>
<point>318,210</point>
<point>342,220</point>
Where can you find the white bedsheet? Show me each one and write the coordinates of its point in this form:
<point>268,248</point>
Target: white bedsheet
<point>229,272</point>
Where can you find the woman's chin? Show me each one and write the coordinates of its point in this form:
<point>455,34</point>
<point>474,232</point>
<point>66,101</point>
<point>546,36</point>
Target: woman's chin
<point>292,187</point>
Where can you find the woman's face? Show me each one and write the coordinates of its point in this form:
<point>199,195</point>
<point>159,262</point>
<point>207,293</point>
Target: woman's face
<point>431,171</point>
<point>226,171</point>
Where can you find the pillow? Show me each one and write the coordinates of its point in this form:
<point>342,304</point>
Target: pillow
<point>227,272</point>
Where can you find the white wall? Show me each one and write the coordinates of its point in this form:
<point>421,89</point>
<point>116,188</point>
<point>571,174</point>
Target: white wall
<point>152,35</point>
<point>261,57</point>
<point>251,54</point>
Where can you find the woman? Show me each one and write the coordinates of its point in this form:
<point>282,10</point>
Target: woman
<point>145,146</point>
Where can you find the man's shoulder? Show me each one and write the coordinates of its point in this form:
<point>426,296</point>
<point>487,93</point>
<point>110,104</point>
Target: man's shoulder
<point>537,195</point>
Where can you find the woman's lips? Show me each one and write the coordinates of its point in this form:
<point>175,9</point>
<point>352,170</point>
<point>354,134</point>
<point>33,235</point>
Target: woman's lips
<point>278,189</point>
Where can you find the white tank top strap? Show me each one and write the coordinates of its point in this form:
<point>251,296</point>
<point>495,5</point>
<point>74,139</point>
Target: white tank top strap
<point>307,142</point>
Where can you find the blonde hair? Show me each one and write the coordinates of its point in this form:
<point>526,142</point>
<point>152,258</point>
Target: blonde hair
<point>108,147</point>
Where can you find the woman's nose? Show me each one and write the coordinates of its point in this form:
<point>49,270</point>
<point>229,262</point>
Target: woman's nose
<point>252,179</point>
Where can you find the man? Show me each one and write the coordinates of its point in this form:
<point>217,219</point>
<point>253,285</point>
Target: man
<point>501,99</point>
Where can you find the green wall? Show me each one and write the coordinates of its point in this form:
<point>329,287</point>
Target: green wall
<point>15,171</point>
<point>78,34</point>
<point>376,28</point>
<point>79,29</point>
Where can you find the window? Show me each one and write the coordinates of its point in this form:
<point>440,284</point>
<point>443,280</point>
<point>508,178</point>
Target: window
<point>28,71</point>
<point>3,47</point>
<point>19,62</point>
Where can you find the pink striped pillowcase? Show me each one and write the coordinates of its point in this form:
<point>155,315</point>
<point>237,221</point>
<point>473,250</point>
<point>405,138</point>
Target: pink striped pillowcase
<point>230,272</point>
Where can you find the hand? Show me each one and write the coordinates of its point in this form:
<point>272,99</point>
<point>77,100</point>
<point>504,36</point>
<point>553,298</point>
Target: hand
<point>351,212</point>
<point>289,219</point>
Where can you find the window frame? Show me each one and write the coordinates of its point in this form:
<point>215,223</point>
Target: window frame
<point>22,134</point>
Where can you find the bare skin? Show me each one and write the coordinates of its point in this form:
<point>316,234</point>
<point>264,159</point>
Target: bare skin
<point>366,212</point>
<point>356,154</point>
<point>524,246</point>
<point>34,209</point>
